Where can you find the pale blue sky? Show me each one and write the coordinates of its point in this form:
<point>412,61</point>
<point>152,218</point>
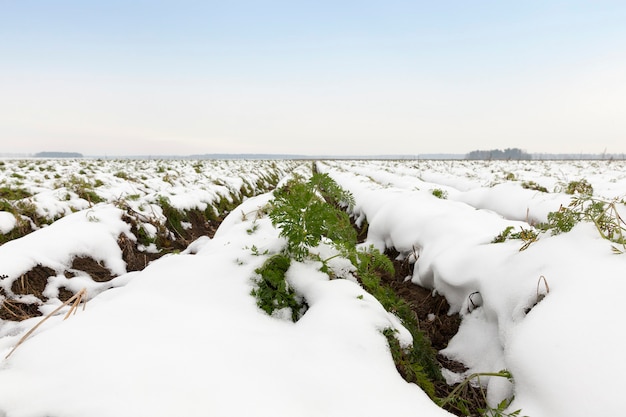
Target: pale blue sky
<point>342,77</point>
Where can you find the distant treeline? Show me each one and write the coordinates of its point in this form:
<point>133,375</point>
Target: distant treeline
<point>518,154</point>
<point>509,153</point>
<point>494,154</point>
<point>58,155</point>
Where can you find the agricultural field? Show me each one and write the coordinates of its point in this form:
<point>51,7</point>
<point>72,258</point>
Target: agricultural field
<point>311,288</point>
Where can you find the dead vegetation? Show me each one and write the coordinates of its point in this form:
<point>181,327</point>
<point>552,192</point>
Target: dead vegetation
<point>75,301</point>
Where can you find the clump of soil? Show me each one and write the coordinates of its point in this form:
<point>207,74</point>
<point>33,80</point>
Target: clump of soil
<point>96,271</point>
<point>15,310</point>
<point>135,259</point>
<point>32,282</point>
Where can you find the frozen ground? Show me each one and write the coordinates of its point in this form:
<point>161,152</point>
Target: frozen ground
<point>185,337</point>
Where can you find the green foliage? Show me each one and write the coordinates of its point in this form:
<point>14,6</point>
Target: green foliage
<point>22,226</point>
<point>456,401</point>
<point>579,187</point>
<point>407,363</point>
<point>224,206</point>
<point>561,221</point>
<point>506,233</point>
<point>253,228</point>
<point>211,214</point>
<point>6,206</point>
<point>143,237</point>
<point>246,188</point>
<point>272,292</point>
<point>603,214</point>
<point>532,185</point>
<point>91,196</point>
<point>198,167</point>
<point>256,252</point>
<point>500,410</point>
<point>527,235</point>
<point>82,188</point>
<point>309,213</point>
<point>267,181</point>
<point>306,212</point>
<point>371,262</point>
<point>29,209</point>
<point>11,193</point>
<point>174,216</point>
<point>417,363</point>
<point>439,193</point>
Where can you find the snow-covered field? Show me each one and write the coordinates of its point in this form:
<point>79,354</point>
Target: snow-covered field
<point>184,336</point>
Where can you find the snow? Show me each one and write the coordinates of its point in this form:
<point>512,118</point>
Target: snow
<point>7,222</point>
<point>565,345</point>
<point>185,337</point>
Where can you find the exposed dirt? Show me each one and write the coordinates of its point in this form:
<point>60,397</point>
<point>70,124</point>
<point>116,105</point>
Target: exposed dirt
<point>135,259</point>
<point>200,226</point>
<point>32,282</point>
<point>431,310</point>
<point>35,280</point>
<point>15,310</point>
<point>97,271</point>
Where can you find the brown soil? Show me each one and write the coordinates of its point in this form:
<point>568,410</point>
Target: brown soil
<point>431,310</point>
<point>434,320</point>
<point>200,226</point>
<point>34,281</point>
<point>168,238</point>
<point>135,260</point>
<point>96,271</point>
<point>432,313</point>
<point>14,310</point>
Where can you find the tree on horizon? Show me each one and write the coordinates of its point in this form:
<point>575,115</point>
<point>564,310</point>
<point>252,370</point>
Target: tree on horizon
<point>507,154</point>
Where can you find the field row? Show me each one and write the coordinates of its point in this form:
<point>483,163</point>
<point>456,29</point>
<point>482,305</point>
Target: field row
<point>72,224</point>
<point>156,194</point>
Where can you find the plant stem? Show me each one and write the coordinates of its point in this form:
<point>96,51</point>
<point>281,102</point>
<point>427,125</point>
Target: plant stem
<point>477,375</point>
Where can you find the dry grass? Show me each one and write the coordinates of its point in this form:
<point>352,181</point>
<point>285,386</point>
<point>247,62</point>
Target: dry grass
<point>14,309</point>
<point>74,301</point>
